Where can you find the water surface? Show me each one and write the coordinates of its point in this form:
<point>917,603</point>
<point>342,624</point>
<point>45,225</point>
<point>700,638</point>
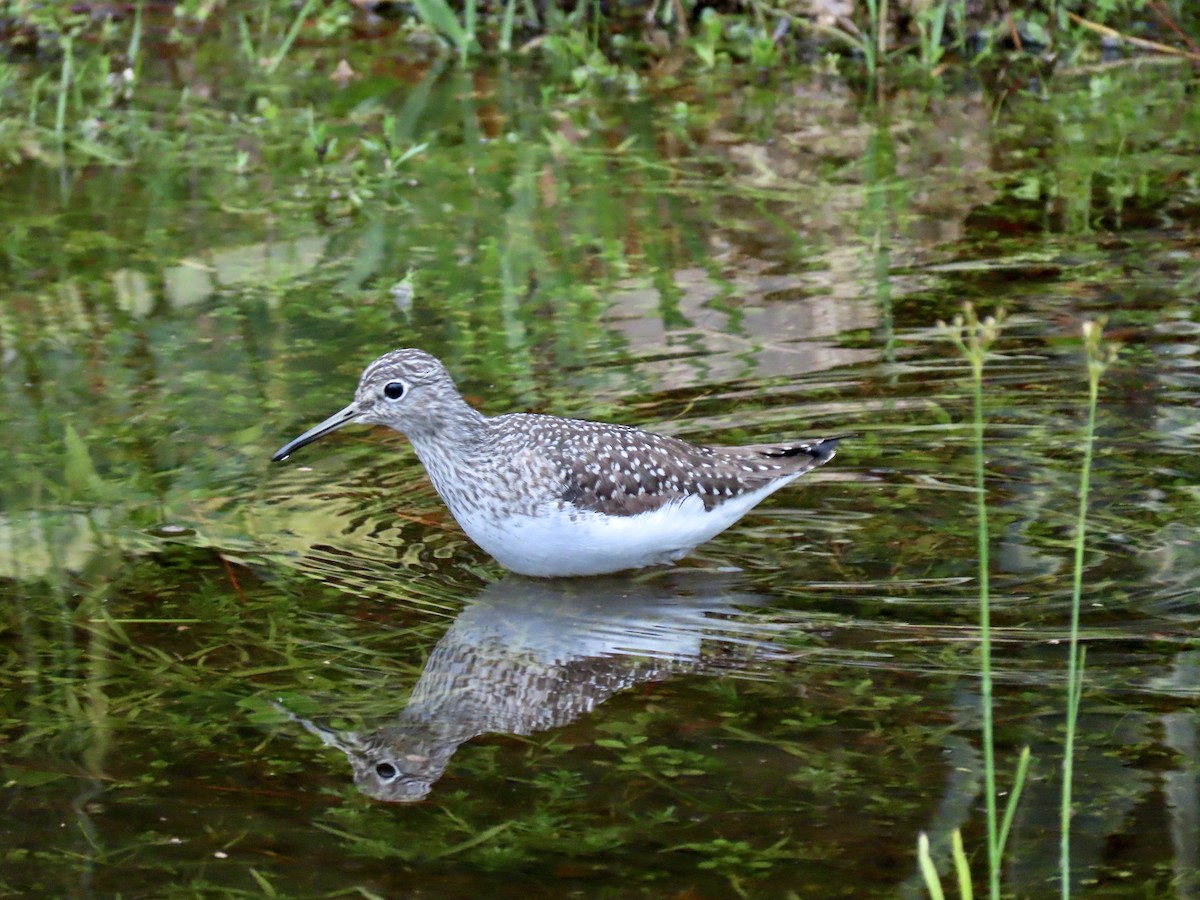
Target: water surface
<point>218,672</point>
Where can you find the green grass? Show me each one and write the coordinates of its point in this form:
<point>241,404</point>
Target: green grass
<point>974,338</point>
<point>1098,358</point>
<point>886,36</point>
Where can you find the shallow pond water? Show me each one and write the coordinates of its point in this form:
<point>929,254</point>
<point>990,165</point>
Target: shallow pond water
<point>218,671</point>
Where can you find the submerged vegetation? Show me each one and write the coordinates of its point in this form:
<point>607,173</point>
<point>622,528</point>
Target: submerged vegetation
<point>725,221</point>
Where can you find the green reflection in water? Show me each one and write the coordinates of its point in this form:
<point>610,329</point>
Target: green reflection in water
<point>771,268</point>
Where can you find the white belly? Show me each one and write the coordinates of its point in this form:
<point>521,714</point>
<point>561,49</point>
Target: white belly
<point>559,543</point>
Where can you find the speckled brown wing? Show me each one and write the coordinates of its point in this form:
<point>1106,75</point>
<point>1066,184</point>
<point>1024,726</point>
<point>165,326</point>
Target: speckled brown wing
<point>622,471</point>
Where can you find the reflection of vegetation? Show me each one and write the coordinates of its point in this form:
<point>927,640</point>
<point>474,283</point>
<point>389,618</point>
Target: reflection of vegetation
<point>199,254</point>
<point>100,98</point>
<point>1090,160</point>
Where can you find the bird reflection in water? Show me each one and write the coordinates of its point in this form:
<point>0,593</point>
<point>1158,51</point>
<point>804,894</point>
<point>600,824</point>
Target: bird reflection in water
<point>525,656</point>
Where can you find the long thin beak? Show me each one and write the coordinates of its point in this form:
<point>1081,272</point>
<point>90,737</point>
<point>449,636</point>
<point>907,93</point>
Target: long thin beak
<point>333,423</point>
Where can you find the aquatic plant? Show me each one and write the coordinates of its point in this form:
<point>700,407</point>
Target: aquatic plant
<point>973,338</point>
<point>1099,356</point>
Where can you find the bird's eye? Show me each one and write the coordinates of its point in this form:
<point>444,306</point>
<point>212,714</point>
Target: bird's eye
<point>386,771</point>
<point>393,390</point>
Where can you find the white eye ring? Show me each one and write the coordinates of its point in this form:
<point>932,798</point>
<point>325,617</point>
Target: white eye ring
<point>394,390</point>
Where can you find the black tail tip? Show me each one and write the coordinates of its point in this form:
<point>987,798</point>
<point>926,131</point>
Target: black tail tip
<point>820,451</point>
<point>824,449</point>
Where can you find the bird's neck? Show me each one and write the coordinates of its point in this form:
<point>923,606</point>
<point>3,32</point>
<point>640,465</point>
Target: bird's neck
<point>454,429</point>
<point>455,456</point>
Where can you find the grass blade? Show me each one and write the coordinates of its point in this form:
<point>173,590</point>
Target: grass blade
<point>64,85</point>
<point>290,37</point>
<point>1014,797</point>
<point>929,874</point>
<point>962,868</point>
<point>438,15</point>
<point>506,26</point>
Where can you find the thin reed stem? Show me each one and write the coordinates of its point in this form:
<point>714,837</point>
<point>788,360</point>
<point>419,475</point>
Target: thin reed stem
<point>973,337</point>
<point>985,632</point>
<point>1097,361</point>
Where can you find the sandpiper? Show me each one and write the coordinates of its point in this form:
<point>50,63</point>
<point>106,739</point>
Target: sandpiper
<point>551,497</point>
